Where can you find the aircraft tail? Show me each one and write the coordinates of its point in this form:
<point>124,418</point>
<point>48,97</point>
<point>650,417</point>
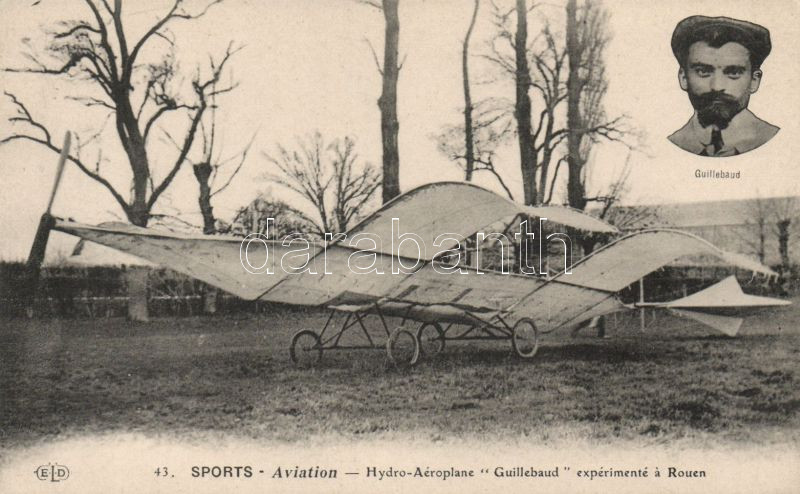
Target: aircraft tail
<point>721,306</point>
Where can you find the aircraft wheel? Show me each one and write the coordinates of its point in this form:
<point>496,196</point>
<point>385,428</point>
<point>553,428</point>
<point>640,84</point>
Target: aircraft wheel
<point>525,338</point>
<point>306,348</point>
<point>431,339</point>
<point>402,347</point>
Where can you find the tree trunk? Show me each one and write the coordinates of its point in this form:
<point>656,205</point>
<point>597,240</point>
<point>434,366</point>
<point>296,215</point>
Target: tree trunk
<point>576,196</point>
<point>522,109</point>
<point>388,103</point>
<point>133,143</point>
<point>469,143</point>
<point>783,244</point>
<point>136,278</point>
<point>202,171</point>
<point>547,156</point>
<point>210,295</point>
<point>138,212</point>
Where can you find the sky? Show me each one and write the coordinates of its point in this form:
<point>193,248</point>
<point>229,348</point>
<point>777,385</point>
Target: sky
<point>306,66</point>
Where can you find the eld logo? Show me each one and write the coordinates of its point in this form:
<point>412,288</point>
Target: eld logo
<point>53,473</point>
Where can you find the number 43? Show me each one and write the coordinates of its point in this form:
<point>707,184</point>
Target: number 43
<point>161,472</point>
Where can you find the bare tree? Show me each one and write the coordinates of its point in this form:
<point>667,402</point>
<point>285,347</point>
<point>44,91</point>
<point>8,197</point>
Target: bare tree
<point>546,64</point>
<point>136,94</point>
<point>575,193</point>
<point>785,211</point>
<point>490,129</point>
<point>536,65</point>
<point>625,218</point>
<point>207,171</point>
<point>587,123</point>
<point>254,217</point>
<point>97,54</point>
<point>771,218</point>
<point>549,83</point>
<point>469,142</point>
<point>390,71</point>
<point>473,145</point>
<point>212,167</point>
<point>522,106</point>
<point>329,177</point>
<point>759,215</point>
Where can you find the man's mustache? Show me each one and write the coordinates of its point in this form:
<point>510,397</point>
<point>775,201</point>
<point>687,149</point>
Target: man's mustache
<point>715,107</point>
<point>719,98</point>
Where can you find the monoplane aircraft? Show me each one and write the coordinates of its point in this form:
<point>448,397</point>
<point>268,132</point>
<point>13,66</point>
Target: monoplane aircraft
<point>409,278</point>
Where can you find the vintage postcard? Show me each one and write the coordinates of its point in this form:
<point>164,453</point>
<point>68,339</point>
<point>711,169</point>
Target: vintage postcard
<point>399,246</point>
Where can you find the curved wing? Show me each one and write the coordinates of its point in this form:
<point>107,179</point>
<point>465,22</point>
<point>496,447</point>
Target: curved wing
<point>621,263</point>
<point>454,208</point>
<point>212,259</point>
<point>589,290</point>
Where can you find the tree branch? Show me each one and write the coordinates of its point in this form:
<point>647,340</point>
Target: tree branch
<point>374,56</point>
<point>238,167</point>
<point>376,4</point>
<point>79,27</point>
<point>553,182</point>
<point>200,89</point>
<point>174,13</point>
<point>112,59</point>
<point>47,142</point>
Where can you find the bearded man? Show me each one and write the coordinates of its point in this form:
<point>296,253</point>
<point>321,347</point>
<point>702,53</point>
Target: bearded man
<point>720,67</point>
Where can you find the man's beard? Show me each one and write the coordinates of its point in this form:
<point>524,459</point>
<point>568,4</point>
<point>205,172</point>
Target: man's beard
<point>715,108</point>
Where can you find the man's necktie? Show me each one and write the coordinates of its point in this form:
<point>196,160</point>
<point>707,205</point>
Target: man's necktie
<point>716,140</point>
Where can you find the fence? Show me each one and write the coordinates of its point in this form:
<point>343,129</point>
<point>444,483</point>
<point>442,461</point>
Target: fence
<point>672,282</point>
<point>100,291</point>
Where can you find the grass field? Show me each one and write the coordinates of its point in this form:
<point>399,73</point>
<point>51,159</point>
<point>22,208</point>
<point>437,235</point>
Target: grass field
<point>676,381</point>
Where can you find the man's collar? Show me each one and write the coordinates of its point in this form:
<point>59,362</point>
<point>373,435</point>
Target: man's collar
<point>744,133</point>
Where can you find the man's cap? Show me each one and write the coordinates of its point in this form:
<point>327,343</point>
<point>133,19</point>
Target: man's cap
<point>717,31</point>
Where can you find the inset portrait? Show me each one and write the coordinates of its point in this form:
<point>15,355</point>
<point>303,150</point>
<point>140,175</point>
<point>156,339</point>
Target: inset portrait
<point>720,68</point>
